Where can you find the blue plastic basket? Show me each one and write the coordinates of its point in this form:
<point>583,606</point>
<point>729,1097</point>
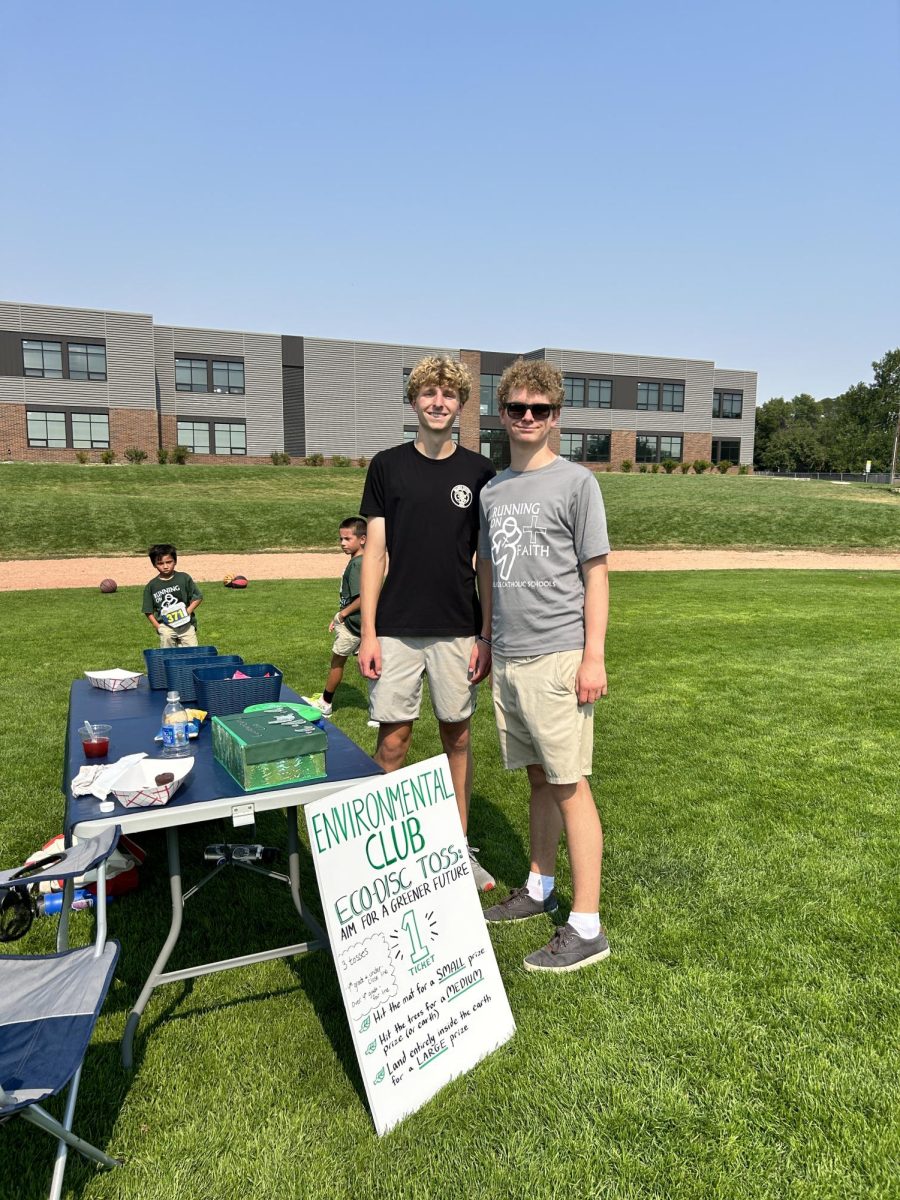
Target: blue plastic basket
<point>180,671</point>
<point>222,696</point>
<point>156,660</point>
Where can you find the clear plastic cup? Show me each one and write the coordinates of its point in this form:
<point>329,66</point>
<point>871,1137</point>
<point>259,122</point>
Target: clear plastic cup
<point>97,745</point>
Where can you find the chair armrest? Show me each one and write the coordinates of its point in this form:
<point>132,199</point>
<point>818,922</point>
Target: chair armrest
<point>74,861</point>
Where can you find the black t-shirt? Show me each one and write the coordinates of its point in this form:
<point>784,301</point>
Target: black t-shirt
<point>430,509</point>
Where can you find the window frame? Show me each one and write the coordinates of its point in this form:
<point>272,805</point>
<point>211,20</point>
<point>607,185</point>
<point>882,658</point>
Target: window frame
<point>42,346</point>
<point>231,389</point>
<point>65,345</point>
<point>658,438</point>
<point>672,388</point>
<point>718,409</point>
<point>185,420</point>
<point>67,414</point>
<point>491,407</point>
<point>716,451</point>
<point>202,365</point>
<point>87,347</point>
<point>586,435</point>
<point>236,424</point>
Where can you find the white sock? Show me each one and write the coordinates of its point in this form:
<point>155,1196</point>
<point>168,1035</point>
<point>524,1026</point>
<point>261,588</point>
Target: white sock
<point>540,886</point>
<point>586,925</point>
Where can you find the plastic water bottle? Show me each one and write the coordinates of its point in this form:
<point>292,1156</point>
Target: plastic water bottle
<point>174,728</point>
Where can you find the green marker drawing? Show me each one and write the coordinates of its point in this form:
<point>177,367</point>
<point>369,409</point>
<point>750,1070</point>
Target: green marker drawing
<point>371,1046</point>
<point>378,1078</point>
<point>365,1025</point>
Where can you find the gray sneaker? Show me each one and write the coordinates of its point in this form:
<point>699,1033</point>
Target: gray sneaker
<point>519,906</point>
<point>567,951</point>
<point>484,881</point>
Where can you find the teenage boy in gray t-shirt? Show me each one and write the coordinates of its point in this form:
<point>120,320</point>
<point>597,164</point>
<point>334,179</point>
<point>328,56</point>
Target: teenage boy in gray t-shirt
<point>542,561</point>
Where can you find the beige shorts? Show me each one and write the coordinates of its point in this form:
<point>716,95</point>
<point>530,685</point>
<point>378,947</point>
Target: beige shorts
<point>539,719</point>
<point>177,637</point>
<point>346,643</point>
<point>397,694</point>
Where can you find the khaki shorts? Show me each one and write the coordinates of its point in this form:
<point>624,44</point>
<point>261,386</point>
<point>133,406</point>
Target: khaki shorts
<point>397,694</point>
<point>177,637</point>
<point>539,719</point>
<point>346,643</point>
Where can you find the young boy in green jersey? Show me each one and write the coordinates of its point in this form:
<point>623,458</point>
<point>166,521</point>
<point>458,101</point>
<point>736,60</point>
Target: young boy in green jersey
<point>345,624</point>
<point>171,599</point>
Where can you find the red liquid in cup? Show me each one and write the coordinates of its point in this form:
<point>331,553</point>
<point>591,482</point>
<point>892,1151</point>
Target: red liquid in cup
<point>96,748</point>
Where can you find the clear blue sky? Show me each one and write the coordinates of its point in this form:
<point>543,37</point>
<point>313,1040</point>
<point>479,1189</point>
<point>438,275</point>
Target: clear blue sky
<point>714,180</point>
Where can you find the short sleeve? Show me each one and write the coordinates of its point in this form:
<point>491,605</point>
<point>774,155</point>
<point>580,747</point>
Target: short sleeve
<point>589,530</point>
<point>484,532</point>
<point>372,504</point>
<point>194,592</point>
<point>147,602</point>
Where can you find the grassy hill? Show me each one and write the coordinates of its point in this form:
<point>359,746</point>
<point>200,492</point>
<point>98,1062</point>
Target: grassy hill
<point>62,511</point>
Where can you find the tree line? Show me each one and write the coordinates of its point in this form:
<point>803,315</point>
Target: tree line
<point>842,433</point>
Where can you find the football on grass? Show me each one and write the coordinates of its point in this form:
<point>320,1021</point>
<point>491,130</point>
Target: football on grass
<point>108,585</point>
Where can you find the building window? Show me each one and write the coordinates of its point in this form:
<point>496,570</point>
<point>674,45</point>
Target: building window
<point>228,377</point>
<point>598,447</point>
<point>194,435</point>
<point>231,438</point>
<point>90,431</point>
<point>571,446</point>
<point>488,396</point>
<point>495,446</point>
<point>648,397</point>
<point>728,405</point>
<point>86,361</point>
<point>599,393</point>
<point>651,447</point>
<point>726,450</point>
<point>42,360</point>
<point>673,397</point>
<point>573,389</point>
<point>191,376</point>
<point>47,429</point>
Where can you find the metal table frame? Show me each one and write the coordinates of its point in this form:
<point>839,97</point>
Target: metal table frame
<point>241,806</point>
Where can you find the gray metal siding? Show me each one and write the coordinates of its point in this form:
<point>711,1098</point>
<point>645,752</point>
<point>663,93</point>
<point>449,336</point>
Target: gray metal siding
<point>745,429</point>
<point>261,406</point>
<point>129,357</point>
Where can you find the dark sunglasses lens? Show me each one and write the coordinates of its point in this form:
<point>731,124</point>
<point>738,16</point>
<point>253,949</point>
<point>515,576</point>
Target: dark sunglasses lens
<point>540,412</point>
<point>16,915</point>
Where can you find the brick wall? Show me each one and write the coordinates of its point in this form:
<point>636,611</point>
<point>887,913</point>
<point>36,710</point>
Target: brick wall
<point>621,447</point>
<point>469,417</point>
<point>697,445</point>
<point>127,427</point>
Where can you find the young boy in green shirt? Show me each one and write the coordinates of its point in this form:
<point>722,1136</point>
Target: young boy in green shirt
<point>345,624</point>
<point>171,599</point>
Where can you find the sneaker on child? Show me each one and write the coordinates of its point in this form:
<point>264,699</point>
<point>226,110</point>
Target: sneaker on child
<point>519,906</point>
<point>318,701</point>
<point>566,951</point>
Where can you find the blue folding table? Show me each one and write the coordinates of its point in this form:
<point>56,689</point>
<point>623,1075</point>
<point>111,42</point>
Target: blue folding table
<point>209,793</point>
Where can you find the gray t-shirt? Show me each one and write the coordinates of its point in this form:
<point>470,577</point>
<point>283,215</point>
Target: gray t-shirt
<point>538,527</point>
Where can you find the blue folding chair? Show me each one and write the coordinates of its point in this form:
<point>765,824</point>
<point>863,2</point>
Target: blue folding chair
<point>49,1003</point>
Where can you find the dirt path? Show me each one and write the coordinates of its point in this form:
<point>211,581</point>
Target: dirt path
<point>23,575</point>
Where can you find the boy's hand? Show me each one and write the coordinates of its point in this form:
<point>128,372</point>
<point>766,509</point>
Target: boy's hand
<point>479,661</point>
<point>590,680</point>
<point>369,657</point>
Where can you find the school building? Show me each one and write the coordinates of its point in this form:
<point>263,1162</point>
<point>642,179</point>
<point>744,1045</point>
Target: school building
<point>76,380</point>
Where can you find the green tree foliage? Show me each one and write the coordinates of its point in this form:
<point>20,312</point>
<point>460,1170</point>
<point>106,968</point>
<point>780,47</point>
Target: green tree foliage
<point>833,434</point>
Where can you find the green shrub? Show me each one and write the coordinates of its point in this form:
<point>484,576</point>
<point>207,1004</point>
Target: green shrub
<point>179,455</point>
<point>642,469</point>
<point>701,465</point>
<point>668,465</point>
<point>362,461</point>
<point>315,460</point>
<point>162,455</point>
<point>627,464</point>
<point>339,460</point>
<point>743,469</point>
<point>134,454</point>
<point>108,456</point>
<point>685,467</point>
<point>654,470</point>
<point>82,456</point>
<point>723,466</point>
<point>280,459</point>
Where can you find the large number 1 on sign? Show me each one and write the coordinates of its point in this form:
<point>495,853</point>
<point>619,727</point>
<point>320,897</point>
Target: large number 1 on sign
<point>418,951</point>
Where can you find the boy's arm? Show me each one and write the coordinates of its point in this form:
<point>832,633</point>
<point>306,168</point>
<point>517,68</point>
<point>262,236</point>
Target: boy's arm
<point>195,596</point>
<point>480,662</point>
<point>371,579</point>
<point>147,608</point>
<point>590,681</point>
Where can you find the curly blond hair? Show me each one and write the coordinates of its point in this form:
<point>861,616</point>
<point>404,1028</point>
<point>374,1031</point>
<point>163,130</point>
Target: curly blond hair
<point>437,371</point>
<point>536,376</point>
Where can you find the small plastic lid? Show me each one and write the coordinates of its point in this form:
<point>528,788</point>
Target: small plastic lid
<point>170,696</point>
<point>107,806</point>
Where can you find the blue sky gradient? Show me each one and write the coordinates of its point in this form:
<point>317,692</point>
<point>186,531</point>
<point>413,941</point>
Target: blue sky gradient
<point>703,180</point>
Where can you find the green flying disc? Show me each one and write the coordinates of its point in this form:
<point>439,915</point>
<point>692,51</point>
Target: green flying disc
<point>307,711</point>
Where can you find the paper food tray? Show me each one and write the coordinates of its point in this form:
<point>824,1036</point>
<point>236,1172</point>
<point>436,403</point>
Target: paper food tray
<point>136,787</point>
<point>116,680</point>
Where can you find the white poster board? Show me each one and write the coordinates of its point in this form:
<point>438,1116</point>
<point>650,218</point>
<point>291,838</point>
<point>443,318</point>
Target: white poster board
<point>417,972</point>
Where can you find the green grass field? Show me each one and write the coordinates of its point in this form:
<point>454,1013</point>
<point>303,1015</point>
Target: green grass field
<point>71,511</point>
<point>741,1042</point>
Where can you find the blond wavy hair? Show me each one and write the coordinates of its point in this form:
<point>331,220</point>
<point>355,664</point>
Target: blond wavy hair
<point>437,371</point>
<point>536,376</point>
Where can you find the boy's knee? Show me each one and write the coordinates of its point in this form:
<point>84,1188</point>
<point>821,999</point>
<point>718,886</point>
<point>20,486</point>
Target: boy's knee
<point>455,736</point>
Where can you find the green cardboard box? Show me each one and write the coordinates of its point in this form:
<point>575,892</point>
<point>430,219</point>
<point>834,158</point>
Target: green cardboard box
<point>264,749</point>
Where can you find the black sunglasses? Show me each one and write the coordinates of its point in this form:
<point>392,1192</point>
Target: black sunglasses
<point>540,412</point>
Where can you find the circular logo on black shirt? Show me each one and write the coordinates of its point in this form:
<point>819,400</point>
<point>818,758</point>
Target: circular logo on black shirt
<point>461,495</point>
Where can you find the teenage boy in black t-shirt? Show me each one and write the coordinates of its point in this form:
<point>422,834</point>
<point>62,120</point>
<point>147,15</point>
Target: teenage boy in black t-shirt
<point>424,618</point>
